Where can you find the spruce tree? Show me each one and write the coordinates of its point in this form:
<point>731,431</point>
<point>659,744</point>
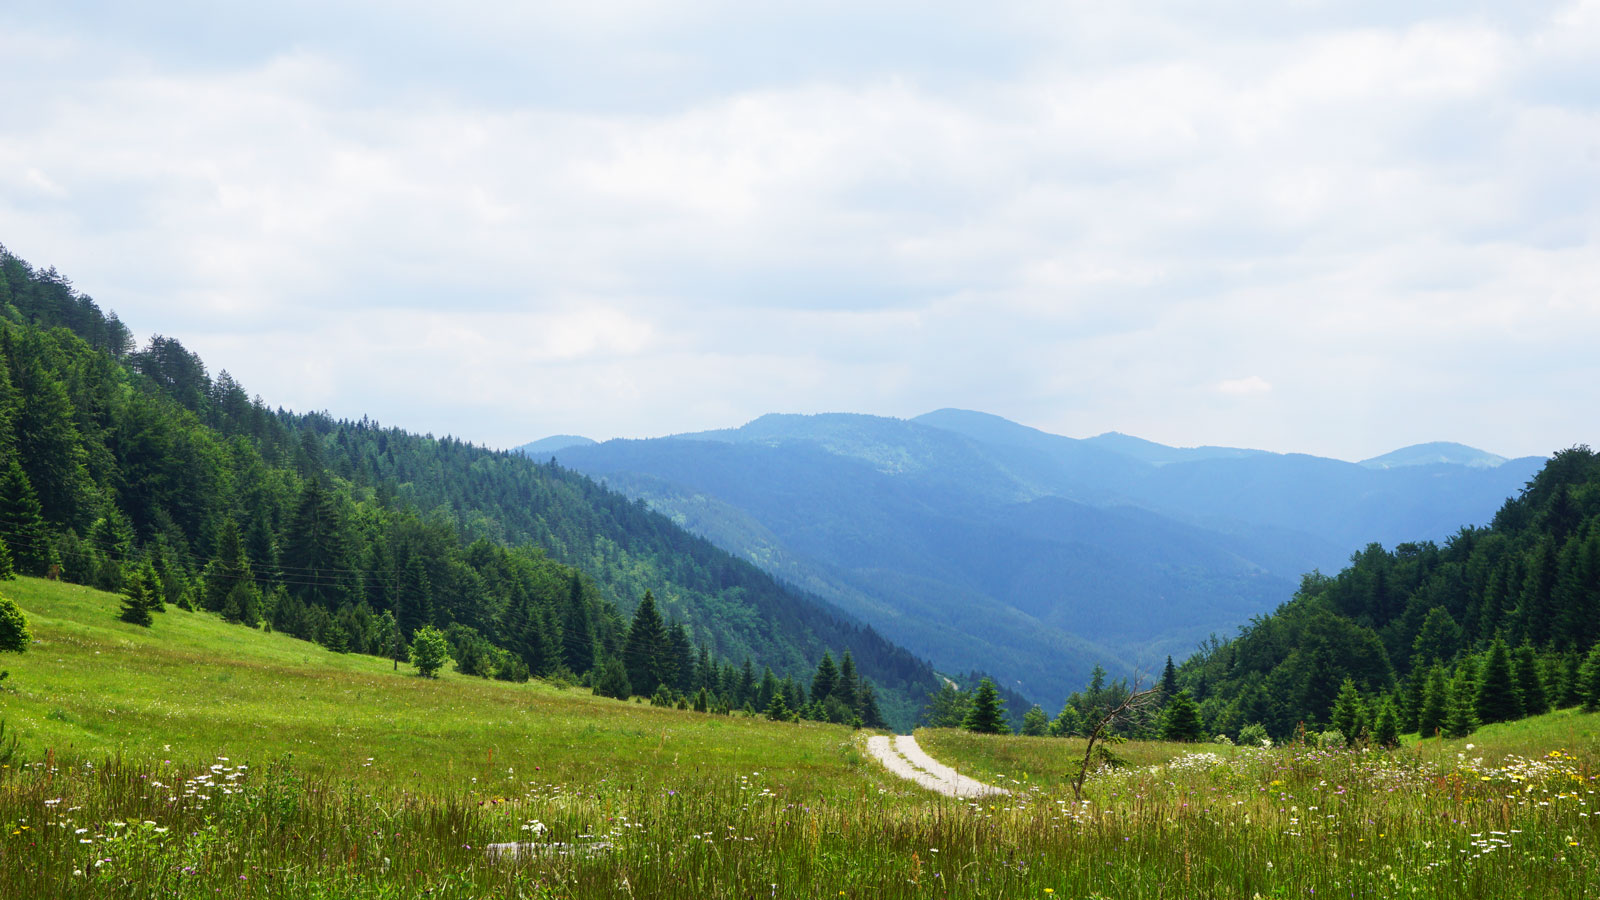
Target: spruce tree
<point>1181,719</point>
<point>867,707</point>
<point>22,521</point>
<point>647,640</point>
<point>849,682</point>
<point>1348,714</point>
<point>1068,722</point>
<point>1386,732</point>
<point>1525,673</point>
<point>1588,681</point>
<point>414,606</point>
<point>1034,722</point>
<point>1498,699</point>
<point>8,570</point>
<point>1460,719</point>
<point>778,710</point>
<point>136,600</point>
<point>1435,703</point>
<point>1169,681</point>
<point>988,713</point>
<point>826,677</point>
<point>613,680</point>
<point>14,635</point>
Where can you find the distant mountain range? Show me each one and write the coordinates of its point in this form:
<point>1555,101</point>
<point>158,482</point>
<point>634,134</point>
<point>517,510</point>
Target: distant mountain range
<point>985,544</point>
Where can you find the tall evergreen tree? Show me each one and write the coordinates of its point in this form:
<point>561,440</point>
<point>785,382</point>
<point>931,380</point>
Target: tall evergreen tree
<point>1435,703</point>
<point>1530,682</point>
<point>1498,699</point>
<point>825,679</point>
<point>867,707</point>
<point>848,686</point>
<point>1180,721</point>
<point>1034,722</point>
<point>315,547</point>
<point>647,643</point>
<point>227,569</point>
<point>1386,731</point>
<point>22,521</point>
<point>1169,680</point>
<point>987,714</point>
<point>1348,714</point>
<point>1588,681</point>
<point>577,633</point>
<point>414,605</point>
<point>136,600</point>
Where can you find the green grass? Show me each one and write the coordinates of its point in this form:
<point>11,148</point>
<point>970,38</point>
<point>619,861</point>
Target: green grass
<point>120,793</point>
<point>192,687</point>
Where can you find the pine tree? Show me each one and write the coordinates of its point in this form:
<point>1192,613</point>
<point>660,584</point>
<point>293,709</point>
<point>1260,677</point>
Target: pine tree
<point>8,569</point>
<point>577,634</point>
<point>14,635</point>
<point>1386,732</point>
<point>1034,722</point>
<point>1460,719</point>
<point>1169,680</point>
<point>1588,681</point>
<point>1438,639</point>
<point>1068,722</point>
<point>1348,714</point>
<point>22,521</point>
<point>867,707</point>
<point>315,546</point>
<point>1181,719</point>
<point>988,713</point>
<point>136,600</point>
<point>414,606</point>
<point>849,683</point>
<point>1525,673</point>
<point>778,710</point>
<point>613,680</point>
<point>227,569</point>
<point>1498,699</point>
<point>647,640</point>
<point>1435,703</point>
<point>825,679</point>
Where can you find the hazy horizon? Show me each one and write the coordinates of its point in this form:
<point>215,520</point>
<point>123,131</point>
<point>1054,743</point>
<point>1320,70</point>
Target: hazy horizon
<point>1336,229</point>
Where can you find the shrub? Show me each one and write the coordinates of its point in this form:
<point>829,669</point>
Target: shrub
<point>429,651</point>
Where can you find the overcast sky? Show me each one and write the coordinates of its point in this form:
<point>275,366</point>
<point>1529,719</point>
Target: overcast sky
<point>1334,227</point>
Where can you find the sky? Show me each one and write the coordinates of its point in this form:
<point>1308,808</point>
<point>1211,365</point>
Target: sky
<point>1326,227</point>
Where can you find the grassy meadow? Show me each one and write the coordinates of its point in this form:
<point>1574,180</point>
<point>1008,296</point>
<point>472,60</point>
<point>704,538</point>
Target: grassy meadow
<point>198,759</point>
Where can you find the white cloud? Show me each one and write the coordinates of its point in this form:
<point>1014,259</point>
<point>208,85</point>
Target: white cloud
<point>1087,217</point>
<point>1250,384</point>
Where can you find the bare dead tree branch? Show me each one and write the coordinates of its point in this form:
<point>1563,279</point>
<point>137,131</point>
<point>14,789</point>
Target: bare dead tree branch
<point>1136,700</point>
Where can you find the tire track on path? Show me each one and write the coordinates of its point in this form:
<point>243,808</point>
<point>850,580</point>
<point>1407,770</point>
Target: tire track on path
<point>903,756</point>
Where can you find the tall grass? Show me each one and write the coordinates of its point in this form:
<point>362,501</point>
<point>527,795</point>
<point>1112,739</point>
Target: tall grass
<point>278,770</point>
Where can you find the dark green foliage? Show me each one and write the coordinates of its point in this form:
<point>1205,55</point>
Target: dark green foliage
<point>646,650</point>
<point>1169,680</point>
<point>1180,721</point>
<point>1067,723</point>
<point>778,708</point>
<point>613,680</point>
<point>1531,579</point>
<point>430,650</point>
<point>14,635</point>
<point>1529,681</point>
<point>8,569</point>
<point>1460,718</point>
<point>1386,731</point>
<point>1588,681</point>
<point>1035,723</point>
<point>1349,714</point>
<point>22,522</point>
<point>136,600</point>
<point>947,707</point>
<point>987,714</point>
<point>109,457</point>
<point>1435,703</point>
<point>1498,699</point>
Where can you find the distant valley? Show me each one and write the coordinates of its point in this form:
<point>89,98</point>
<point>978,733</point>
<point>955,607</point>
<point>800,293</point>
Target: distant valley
<point>985,544</point>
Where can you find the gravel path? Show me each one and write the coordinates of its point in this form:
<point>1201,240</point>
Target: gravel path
<point>904,757</point>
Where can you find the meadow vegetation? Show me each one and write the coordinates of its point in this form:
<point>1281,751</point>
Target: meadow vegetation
<point>151,764</point>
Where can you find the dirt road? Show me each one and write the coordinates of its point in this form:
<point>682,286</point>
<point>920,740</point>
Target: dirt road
<point>902,756</point>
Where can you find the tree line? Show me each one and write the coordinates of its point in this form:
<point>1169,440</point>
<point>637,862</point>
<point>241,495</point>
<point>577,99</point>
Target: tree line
<point>1499,623</point>
<point>133,470</point>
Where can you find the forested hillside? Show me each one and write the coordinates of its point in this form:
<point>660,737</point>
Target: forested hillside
<point>117,462</point>
<point>1498,623</point>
